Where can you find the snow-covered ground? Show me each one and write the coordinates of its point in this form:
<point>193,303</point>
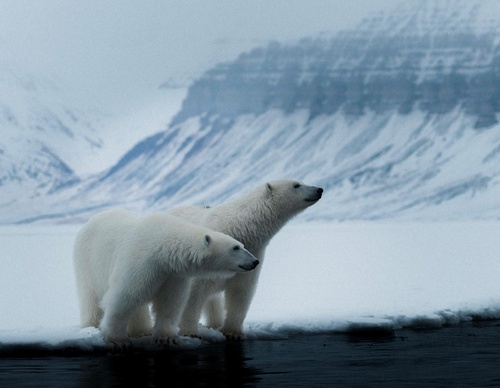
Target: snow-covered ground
<point>317,277</point>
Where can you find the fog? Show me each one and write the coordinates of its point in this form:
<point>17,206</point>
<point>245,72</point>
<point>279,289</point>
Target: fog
<point>115,51</point>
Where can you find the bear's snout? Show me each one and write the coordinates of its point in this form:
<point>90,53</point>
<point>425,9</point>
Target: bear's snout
<point>316,195</point>
<point>250,266</point>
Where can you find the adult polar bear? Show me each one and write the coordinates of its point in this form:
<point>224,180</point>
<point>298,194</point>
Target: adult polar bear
<point>123,261</point>
<point>252,219</point>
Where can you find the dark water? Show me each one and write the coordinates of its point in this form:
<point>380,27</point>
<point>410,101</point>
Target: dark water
<point>461,356</point>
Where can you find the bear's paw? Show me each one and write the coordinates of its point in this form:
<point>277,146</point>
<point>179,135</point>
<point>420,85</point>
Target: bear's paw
<point>234,335</point>
<point>167,341</point>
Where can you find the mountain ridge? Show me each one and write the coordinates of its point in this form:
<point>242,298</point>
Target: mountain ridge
<point>408,68</point>
<point>397,119</point>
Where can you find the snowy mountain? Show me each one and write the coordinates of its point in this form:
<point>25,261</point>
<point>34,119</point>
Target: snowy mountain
<point>52,139</point>
<point>395,119</point>
<point>429,58</point>
<point>43,137</point>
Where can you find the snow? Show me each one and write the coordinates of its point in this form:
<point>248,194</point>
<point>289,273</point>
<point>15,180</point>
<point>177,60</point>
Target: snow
<point>317,277</point>
<point>377,166</point>
<point>125,127</point>
<point>75,154</point>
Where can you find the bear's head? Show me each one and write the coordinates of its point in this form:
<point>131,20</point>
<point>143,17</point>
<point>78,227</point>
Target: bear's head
<point>224,255</point>
<point>291,197</point>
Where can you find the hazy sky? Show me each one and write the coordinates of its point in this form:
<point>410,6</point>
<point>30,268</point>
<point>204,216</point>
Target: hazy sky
<point>117,47</point>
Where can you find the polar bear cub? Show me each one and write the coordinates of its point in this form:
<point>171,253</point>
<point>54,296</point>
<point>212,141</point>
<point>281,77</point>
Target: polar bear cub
<point>124,261</point>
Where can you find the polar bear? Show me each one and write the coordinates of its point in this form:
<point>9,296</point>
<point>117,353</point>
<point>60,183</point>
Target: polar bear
<point>252,219</point>
<point>123,261</point>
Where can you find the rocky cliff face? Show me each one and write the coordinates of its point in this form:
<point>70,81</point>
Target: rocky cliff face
<point>426,58</point>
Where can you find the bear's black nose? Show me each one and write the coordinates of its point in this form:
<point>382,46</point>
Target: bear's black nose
<point>319,191</point>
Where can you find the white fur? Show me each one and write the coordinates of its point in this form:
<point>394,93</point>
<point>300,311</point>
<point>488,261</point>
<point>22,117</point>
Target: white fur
<point>123,261</point>
<point>252,219</point>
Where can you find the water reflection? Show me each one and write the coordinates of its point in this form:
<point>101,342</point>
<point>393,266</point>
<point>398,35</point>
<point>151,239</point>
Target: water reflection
<point>462,355</point>
<point>222,365</point>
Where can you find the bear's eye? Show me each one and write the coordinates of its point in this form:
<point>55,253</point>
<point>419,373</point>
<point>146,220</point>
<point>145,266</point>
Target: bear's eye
<point>236,248</point>
<point>296,186</point>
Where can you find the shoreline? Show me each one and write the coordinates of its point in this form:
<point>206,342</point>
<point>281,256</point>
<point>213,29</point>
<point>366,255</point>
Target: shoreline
<point>460,355</point>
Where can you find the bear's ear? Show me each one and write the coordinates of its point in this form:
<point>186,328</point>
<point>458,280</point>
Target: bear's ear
<point>269,190</point>
<point>208,239</point>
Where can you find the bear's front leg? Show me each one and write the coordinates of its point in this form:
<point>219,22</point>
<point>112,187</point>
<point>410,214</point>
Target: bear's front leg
<point>131,290</point>
<point>188,325</point>
<point>114,324</point>
<point>214,311</point>
<point>139,323</point>
<point>239,293</point>
<point>168,305</point>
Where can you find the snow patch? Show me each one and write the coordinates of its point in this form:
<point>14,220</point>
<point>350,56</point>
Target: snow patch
<point>359,279</point>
